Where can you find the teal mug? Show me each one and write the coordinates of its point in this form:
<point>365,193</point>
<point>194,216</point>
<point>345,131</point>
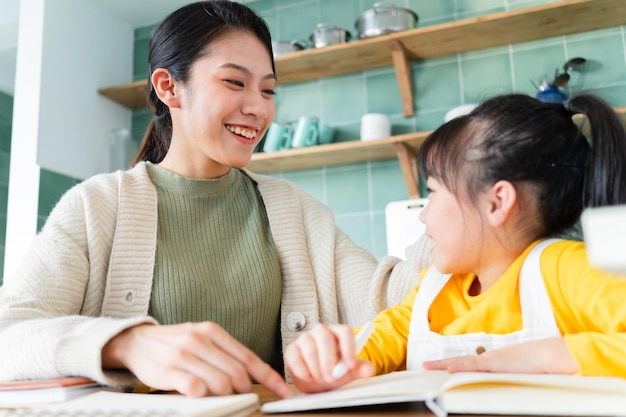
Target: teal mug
<point>326,133</point>
<point>306,133</point>
<point>277,138</point>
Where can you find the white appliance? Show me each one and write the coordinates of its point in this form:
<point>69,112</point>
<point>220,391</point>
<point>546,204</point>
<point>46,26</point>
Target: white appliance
<point>604,231</point>
<point>403,225</point>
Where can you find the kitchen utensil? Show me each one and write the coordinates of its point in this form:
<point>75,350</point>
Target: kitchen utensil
<point>573,64</point>
<point>560,80</point>
<point>384,18</point>
<point>552,92</point>
<point>326,34</point>
<point>375,126</point>
<point>285,47</point>
<point>551,95</point>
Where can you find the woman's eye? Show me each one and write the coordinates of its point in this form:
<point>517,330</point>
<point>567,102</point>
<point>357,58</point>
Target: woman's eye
<point>269,92</point>
<point>235,82</point>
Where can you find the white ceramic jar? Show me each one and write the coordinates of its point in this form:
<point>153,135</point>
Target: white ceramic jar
<point>375,126</point>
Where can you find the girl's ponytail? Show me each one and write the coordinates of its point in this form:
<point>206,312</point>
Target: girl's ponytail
<point>605,168</point>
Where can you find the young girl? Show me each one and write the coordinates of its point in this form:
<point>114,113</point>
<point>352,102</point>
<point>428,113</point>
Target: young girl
<point>502,294</point>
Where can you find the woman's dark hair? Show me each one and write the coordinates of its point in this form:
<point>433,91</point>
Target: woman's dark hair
<point>181,39</point>
<point>536,146</point>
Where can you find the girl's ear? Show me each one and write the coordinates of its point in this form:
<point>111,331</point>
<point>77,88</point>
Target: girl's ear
<point>165,87</point>
<point>501,199</point>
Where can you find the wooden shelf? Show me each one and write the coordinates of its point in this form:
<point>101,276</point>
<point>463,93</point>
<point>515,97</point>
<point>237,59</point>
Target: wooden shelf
<point>404,147</point>
<point>333,154</point>
<point>498,29</point>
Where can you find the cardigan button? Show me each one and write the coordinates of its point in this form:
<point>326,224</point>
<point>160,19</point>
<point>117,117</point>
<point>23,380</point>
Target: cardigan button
<point>296,321</point>
<point>130,296</point>
<point>480,350</point>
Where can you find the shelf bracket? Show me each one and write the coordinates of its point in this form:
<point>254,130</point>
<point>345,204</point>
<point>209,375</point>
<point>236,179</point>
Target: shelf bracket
<point>403,74</point>
<point>407,159</point>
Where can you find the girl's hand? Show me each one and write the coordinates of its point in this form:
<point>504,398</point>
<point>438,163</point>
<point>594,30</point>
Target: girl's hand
<point>195,359</point>
<point>311,358</point>
<point>537,357</point>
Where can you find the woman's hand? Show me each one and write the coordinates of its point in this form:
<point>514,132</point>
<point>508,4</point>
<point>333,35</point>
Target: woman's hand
<point>311,358</point>
<point>195,359</point>
<point>537,357</point>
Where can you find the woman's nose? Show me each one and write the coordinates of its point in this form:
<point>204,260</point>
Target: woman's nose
<point>257,105</point>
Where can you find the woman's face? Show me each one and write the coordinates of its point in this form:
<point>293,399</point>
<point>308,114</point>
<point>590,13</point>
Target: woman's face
<point>225,108</point>
<point>454,228</point>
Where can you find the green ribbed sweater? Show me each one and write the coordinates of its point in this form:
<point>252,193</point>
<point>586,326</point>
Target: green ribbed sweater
<point>216,260</point>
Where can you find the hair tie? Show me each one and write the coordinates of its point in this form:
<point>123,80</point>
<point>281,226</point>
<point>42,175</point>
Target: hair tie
<point>568,106</point>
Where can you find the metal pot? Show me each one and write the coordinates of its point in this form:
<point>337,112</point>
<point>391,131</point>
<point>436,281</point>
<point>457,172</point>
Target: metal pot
<point>328,34</point>
<point>285,47</point>
<point>384,18</point>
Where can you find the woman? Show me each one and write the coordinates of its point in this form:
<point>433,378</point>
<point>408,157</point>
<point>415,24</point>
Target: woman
<point>232,265</point>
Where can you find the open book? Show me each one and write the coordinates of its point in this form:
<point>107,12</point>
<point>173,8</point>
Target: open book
<point>121,404</point>
<point>474,393</point>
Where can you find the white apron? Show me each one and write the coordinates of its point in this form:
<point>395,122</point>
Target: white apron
<point>537,317</point>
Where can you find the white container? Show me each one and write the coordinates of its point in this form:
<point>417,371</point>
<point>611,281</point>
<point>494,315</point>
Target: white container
<point>375,126</point>
<point>459,111</point>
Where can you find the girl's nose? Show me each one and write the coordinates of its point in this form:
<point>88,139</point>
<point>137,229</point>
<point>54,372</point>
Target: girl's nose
<point>422,213</point>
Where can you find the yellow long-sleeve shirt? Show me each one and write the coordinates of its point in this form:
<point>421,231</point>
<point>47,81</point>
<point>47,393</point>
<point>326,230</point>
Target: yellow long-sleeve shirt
<point>588,306</point>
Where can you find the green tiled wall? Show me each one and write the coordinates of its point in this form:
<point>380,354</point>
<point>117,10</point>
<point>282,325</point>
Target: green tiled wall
<point>358,193</point>
<point>6,120</point>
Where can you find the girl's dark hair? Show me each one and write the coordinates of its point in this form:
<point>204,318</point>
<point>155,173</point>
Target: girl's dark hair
<point>536,146</point>
<point>182,38</point>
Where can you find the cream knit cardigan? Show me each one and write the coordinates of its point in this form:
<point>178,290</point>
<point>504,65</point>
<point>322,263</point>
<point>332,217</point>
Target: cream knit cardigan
<point>88,274</point>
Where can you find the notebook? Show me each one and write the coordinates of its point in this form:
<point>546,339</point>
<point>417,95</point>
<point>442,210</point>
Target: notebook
<point>474,393</point>
<point>30,392</point>
<point>122,404</point>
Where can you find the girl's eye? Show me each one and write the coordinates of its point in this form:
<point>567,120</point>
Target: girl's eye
<point>269,92</point>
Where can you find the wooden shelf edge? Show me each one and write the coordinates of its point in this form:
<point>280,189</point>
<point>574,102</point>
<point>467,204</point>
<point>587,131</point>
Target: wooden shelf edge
<point>131,95</point>
<point>333,154</point>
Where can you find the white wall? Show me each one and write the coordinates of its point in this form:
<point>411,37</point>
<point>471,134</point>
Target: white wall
<point>67,49</point>
<point>8,44</point>
<point>83,49</point>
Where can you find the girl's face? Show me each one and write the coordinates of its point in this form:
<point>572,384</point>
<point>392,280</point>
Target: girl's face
<point>224,109</point>
<point>454,228</point>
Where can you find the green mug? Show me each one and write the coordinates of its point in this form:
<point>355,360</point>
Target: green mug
<point>305,133</point>
<point>326,133</point>
<point>277,138</point>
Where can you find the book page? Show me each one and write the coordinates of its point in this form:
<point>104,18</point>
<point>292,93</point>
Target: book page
<point>462,380</point>
<point>512,399</point>
<point>109,403</point>
<point>532,394</point>
<point>401,386</point>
